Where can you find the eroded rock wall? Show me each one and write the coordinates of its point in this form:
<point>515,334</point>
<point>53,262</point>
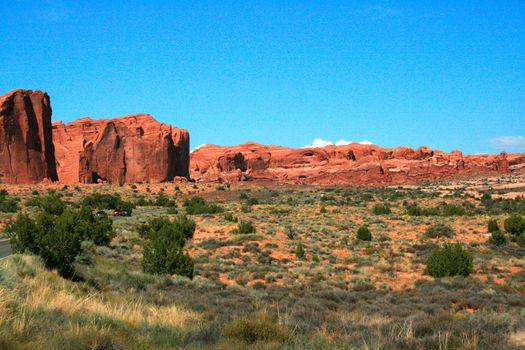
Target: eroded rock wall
<point>26,148</point>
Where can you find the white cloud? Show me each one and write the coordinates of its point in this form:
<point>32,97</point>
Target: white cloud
<point>342,143</point>
<point>196,148</point>
<point>365,142</point>
<point>319,143</point>
<point>508,142</point>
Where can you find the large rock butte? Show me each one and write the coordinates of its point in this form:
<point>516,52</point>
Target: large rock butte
<point>126,149</point>
<point>349,164</point>
<point>26,147</point>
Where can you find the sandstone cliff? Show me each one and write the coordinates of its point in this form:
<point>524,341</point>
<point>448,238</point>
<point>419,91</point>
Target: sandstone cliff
<point>348,164</point>
<point>126,149</point>
<point>26,146</point>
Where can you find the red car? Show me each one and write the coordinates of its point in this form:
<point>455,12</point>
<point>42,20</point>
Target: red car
<point>120,212</point>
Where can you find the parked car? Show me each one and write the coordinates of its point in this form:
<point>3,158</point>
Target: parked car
<point>101,214</point>
<point>122,212</point>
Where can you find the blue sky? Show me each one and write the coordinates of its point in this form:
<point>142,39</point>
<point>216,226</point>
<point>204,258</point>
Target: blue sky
<point>447,74</point>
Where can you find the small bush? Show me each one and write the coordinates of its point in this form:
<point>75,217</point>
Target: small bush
<point>449,260</point>
<point>51,204</point>
<point>164,201</point>
<point>364,234</point>
<point>515,224</point>
<point>497,238</point>
<point>245,227</point>
<point>197,205</point>
<point>163,252</point>
<point>521,240</point>
<point>415,210</point>
<point>452,210</point>
<point>299,251</point>
<point>492,226</point>
<point>439,230</point>
<point>243,196</point>
<point>261,327</point>
<point>229,217</point>
<point>252,201</point>
<point>8,204</point>
<point>107,201</point>
<point>381,209</point>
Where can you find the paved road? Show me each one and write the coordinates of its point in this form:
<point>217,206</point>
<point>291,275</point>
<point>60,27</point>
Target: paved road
<point>5,248</point>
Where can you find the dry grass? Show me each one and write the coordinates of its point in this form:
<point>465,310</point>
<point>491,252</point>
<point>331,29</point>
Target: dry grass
<point>89,314</point>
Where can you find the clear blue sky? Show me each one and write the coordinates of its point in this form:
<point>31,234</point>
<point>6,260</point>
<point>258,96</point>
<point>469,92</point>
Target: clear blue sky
<point>447,74</point>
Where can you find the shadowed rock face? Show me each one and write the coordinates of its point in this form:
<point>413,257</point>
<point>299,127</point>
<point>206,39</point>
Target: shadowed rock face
<point>26,146</point>
<point>126,149</point>
<point>349,164</point>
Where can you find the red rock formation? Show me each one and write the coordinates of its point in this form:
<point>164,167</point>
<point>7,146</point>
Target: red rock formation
<point>26,146</point>
<point>127,149</point>
<point>350,164</point>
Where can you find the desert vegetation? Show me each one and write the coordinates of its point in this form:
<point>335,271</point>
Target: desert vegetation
<point>269,267</point>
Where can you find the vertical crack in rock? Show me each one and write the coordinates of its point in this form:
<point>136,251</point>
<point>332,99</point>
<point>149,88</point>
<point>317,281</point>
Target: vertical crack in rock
<point>26,150</point>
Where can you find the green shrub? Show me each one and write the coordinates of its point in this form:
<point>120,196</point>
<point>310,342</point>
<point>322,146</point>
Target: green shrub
<point>164,251</point>
<point>245,227</point>
<point>381,209</point>
<point>492,226</point>
<point>497,238</point>
<point>164,201</point>
<point>449,260</point>
<point>243,196</point>
<point>51,204</point>
<point>443,209</point>
<point>439,230</point>
<point>101,201</point>
<point>56,239</point>
<point>515,224</point>
<point>8,204</point>
<point>299,251</point>
<point>521,240</point>
<point>99,230</point>
<point>364,234</point>
<point>252,201</point>
<point>197,205</point>
<point>452,210</point>
<point>229,217</point>
<point>107,201</point>
<point>415,210</point>
<point>260,327</point>
<point>172,211</point>
<point>23,233</point>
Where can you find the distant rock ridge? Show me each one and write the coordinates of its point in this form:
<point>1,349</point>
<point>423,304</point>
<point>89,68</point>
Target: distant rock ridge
<point>26,148</point>
<point>137,148</point>
<point>346,164</point>
<point>131,148</point>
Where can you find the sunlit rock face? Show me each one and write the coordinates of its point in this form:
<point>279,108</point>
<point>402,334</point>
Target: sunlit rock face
<point>347,164</point>
<point>26,148</point>
<point>127,149</point>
